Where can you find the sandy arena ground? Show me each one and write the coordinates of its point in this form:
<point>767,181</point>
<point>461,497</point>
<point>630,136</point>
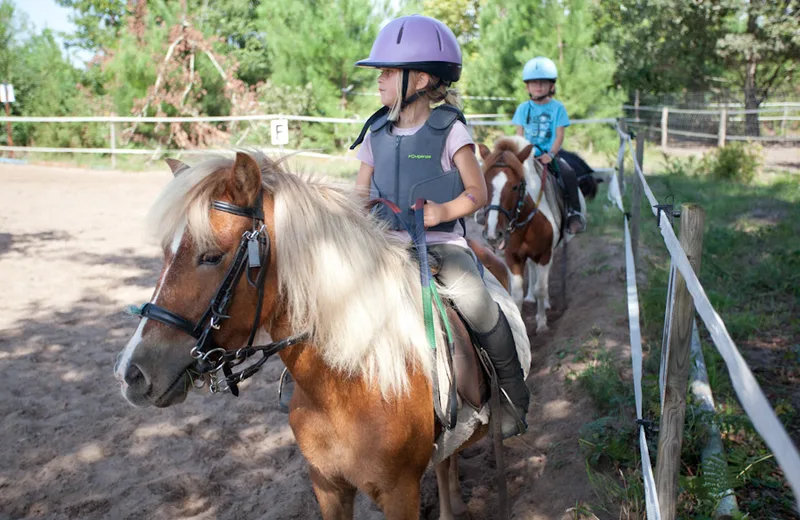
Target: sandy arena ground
<point>73,255</point>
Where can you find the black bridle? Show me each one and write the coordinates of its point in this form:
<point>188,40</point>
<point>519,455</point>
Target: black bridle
<point>516,211</point>
<point>252,252</point>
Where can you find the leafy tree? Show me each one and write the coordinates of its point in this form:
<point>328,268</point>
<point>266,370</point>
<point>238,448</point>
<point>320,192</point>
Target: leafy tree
<point>663,46</point>
<point>460,15</point>
<point>45,83</point>
<point>8,28</point>
<point>762,50</point>
<point>102,25</point>
<point>317,43</point>
<point>513,32</point>
<point>236,23</point>
<point>98,22</point>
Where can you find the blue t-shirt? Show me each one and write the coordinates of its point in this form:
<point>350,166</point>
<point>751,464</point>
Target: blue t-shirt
<point>540,121</point>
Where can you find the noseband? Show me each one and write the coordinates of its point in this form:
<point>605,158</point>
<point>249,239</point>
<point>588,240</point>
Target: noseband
<point>252,252</point>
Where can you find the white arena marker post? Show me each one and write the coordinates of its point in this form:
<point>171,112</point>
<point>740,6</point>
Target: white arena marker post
<point>279,132</point>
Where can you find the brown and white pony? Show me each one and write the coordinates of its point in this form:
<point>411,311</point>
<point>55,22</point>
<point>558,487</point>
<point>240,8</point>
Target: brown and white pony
<point>522,219</point>
<point>362,410</point>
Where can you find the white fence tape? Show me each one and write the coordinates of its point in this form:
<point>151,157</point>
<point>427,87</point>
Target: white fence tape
<point>750,395</point>
<point>650,492</point>
<point>605,120</point>
<point>472,120</point>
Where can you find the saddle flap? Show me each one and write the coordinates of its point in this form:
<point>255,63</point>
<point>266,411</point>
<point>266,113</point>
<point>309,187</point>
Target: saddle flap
<point>470,379</point>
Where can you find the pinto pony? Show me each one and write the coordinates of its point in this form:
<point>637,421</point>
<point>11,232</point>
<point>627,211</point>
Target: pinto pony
<point>524,218</point>
<point>302,263</point>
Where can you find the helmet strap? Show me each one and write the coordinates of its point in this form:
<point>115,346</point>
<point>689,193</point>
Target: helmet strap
<point>416,95</point>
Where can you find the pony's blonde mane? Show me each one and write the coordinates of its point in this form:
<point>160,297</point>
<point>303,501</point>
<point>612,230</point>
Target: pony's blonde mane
<point>339,276</point>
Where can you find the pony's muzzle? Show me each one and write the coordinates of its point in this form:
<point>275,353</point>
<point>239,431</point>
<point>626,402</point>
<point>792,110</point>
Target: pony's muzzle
<point>497,242</point>
<point>137,384</point>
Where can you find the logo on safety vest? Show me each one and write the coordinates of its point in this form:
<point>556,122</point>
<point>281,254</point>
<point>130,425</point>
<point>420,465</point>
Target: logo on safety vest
<point>415,156</point>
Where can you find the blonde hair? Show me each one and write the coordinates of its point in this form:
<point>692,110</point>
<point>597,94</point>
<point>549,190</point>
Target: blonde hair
<point>442,93</point>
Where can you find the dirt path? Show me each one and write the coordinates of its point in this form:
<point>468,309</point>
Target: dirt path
<point>72,256</point>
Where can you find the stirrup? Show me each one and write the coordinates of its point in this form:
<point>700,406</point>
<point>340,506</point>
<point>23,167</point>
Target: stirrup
<point>521,426</point>
<point>572,213</point>
<point>285,390</point>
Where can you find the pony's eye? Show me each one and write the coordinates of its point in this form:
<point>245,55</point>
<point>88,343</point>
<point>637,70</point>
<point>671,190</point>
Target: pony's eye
<point>210,258</point>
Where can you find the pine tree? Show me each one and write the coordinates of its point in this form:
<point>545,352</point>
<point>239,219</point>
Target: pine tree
<point>513,32</point>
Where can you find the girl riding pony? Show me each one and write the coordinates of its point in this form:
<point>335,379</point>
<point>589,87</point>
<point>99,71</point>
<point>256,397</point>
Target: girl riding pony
<point>411,149</point>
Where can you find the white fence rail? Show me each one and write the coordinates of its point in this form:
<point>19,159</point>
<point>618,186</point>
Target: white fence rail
<point>777,124</point>
<point>751,397</point>
<point>473,120</point>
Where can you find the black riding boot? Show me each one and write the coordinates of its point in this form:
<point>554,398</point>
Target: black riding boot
<point>576,222</point>
<point>499,345</point>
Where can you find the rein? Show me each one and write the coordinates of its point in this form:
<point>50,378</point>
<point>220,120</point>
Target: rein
<point>211,358</point>
<point>430,296</point>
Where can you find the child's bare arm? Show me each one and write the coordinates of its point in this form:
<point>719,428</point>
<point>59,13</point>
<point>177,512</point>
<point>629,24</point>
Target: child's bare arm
<point>520,131</point>
<point>472,198</point>
<point>363,179</point>
<point>559,140</point>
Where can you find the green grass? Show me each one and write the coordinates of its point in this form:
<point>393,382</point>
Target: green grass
<point>751,272</point>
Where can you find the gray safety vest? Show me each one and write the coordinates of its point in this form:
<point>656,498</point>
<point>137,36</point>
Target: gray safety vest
<point>419,158</point>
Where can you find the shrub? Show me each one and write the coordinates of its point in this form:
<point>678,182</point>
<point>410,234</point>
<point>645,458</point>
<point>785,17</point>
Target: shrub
<point>738,162</point>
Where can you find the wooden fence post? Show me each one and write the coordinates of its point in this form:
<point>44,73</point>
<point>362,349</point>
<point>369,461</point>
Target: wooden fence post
<point>723,127</point>
<point>113,144</point>
<point>623,125</point>
<point>636,196</point>
<point>670,438</point>
<point>664,128</point>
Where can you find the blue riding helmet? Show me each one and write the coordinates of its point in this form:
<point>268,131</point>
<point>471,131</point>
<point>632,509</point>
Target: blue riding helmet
<point>540,68</point>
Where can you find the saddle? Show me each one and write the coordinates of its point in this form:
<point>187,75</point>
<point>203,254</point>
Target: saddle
<point>554,176</point>
<point>469,368</point>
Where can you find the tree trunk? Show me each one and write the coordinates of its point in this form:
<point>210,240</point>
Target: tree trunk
<point>751,101</point>
<point>751,98</point>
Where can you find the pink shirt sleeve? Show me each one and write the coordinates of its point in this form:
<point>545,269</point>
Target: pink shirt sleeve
<point>364,153</point>
<point>458,138</point>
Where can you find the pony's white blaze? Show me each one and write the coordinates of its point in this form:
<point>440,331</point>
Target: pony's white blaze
<point>498,183</point>
<point>176,241</point>
<point>130,348</point>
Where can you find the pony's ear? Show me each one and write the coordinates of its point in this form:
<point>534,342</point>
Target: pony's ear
<point>176,166</point>
<point>485,152</point>
<point>245,180</point>
<point>523,155</point>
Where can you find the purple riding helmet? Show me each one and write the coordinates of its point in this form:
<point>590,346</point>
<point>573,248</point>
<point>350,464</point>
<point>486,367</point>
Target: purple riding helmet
<point>417,42</point>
